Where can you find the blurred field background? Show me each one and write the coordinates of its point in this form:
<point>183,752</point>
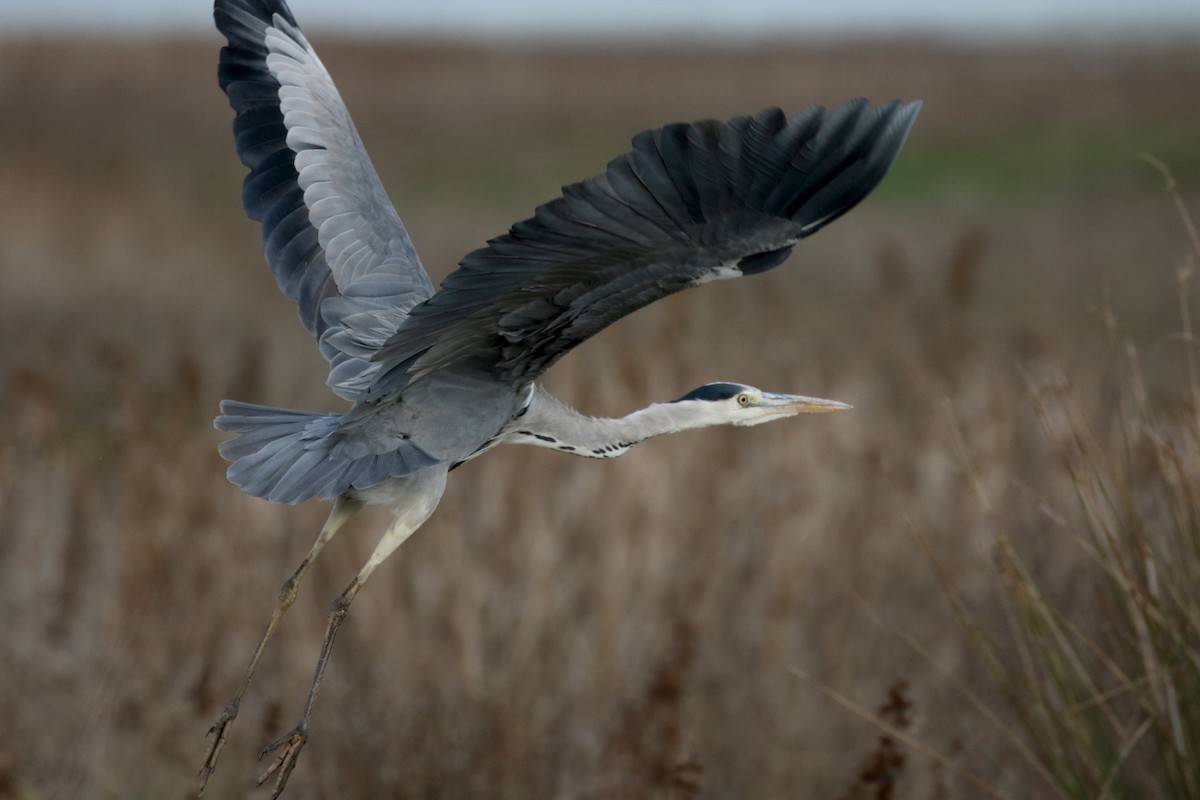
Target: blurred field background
<point>982,581</point>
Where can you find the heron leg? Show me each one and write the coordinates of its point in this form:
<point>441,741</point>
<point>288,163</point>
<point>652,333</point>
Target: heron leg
<point>408,518</point>
<point>343,509</point>
<point>294,740</point>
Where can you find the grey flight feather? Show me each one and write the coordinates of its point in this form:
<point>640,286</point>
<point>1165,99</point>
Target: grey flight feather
<point>332,238</point>
<point>690,203</point>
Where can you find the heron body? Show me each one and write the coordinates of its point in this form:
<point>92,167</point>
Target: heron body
<point>435,378</point>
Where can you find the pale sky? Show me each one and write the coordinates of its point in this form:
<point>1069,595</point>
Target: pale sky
<point>709,18</point>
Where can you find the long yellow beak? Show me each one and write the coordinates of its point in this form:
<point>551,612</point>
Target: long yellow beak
<point>797,404</point>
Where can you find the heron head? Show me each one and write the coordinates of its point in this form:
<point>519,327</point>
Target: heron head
<point>738,404</point>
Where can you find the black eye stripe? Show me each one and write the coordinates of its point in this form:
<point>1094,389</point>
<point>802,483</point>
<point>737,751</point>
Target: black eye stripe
<point>714,391</point>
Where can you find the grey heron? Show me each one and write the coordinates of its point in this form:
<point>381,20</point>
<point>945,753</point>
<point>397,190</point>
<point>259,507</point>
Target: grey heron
<point>436,378</point>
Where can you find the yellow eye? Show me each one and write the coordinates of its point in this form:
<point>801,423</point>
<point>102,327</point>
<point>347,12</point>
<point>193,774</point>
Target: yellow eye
<point>743,399</point>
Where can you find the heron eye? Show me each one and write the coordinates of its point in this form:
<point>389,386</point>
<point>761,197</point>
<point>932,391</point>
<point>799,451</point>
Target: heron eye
<point>743,399</point>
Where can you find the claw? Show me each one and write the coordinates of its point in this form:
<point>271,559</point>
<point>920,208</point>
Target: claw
<point>285,762</point>
<point>221,729</point>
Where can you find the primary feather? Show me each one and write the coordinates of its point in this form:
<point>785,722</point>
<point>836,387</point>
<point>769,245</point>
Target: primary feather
<point>332,238</point>
<point>690,203</point>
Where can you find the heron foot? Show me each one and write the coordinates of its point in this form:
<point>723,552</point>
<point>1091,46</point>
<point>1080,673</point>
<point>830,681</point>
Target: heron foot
<point>221,730</point>
<point>291,743</point>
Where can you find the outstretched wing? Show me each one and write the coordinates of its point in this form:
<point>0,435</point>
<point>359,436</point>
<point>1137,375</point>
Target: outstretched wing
<point>690,204</point>
<point>332,238</point>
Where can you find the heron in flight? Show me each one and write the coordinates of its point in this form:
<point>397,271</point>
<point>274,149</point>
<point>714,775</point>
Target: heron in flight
<point>438,377</point>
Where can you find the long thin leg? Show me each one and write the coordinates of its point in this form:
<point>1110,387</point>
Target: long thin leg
<point>343,509</point>
<point>425,496</point>
<point>294,740</point>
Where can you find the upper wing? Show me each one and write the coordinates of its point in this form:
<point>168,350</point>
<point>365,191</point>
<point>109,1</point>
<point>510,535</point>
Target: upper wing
<point>332,238</point>
<point>689,204</point>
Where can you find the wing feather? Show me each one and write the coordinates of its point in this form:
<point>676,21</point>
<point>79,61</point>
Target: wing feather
<point>327,223</point>
<point>688,204</point>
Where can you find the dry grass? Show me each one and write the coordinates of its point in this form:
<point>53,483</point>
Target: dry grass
<point>1102,671</point>
<point>567,628</point>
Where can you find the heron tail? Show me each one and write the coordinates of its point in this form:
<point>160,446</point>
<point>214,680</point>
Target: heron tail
<point>278,453</point>
<point>288,456</point>
<point>291,456</point>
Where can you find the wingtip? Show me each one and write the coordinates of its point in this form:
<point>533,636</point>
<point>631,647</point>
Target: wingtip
<point>261,10</point>
<point>907,118</point>
<point>908,112</point>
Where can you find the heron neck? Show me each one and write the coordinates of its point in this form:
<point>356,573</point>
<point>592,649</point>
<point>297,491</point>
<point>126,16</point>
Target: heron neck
<point>548,422</point>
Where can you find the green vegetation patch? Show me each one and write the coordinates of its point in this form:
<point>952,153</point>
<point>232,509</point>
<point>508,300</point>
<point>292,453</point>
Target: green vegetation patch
<point>1047,161</point>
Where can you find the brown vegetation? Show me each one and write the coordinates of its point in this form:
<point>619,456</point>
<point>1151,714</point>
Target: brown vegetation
<point>712,615</point>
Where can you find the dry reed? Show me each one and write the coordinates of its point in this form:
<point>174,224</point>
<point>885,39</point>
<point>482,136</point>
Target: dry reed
<point>566,628</point>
